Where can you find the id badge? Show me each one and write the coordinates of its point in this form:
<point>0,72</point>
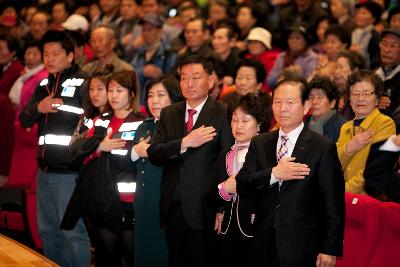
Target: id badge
<point>68,91</point>
<point>128,135</point>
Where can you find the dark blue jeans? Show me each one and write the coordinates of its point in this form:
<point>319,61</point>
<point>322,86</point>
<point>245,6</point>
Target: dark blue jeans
<point>66,248</point>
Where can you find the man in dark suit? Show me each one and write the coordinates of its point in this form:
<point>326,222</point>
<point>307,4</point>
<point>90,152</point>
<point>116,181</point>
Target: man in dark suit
<point>296,178</point>
<point>381,173</point>
<point>189,138</point>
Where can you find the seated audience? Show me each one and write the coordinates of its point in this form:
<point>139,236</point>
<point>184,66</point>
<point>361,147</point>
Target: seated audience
<point>227,56</point>
<point>343,11</point>
<point>104,41</point>
<point>259,47</point>
<point>336,39</point>
<point>323,96</point>
<point>298,57</point>
<point>368,127</point>
<point>250,75</point>
<point>389,71</point>
<point>394,17</point>
<point>155,57</point>
<point>305,12</point>
<point>11,67</point>
<point>364,39</point>
<point>39,24</point>
<point>247,17</point>
<point>129,20</point>
<point>109,14</point>
<point>60,10</point>
<point>197,37</point>
<point>346,63</point>
<point>26,145</point>
<point>323,23</point>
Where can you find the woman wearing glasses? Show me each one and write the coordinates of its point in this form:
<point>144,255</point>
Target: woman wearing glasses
<point>368,127</point>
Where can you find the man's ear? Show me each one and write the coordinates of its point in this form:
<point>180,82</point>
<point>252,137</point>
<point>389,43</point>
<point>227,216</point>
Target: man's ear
<point>212,79</point>
<point>306,107</point>
<point>70,57</point>
<point>113,43</point>
<point>333,103</point>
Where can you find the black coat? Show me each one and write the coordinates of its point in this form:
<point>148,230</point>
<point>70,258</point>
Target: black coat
<point>190,177</point>
<point>239,213</point>
<point>306,217</point>
<point>96,194</point>
<point>381,178</point>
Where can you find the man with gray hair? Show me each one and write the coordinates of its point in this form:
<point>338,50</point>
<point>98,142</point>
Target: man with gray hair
<point>103,41</point>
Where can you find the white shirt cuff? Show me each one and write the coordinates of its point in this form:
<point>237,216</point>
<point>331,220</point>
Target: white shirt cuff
<point>389,145</point>
<point>134,155</point>
<point>273,179</point>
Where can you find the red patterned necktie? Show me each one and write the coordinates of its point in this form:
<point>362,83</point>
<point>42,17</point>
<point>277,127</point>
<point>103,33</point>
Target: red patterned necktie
<point>189,123</point>
<point>283,150</point>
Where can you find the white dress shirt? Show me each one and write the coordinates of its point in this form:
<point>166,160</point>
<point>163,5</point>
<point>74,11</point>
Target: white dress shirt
<point>292,139</point>
<point>198,110</point>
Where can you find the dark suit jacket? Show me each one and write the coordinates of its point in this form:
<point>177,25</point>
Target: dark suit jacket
<point>381,178</point>
<point>238,214</point>
<point>190,178</point>
<point>306,217</point>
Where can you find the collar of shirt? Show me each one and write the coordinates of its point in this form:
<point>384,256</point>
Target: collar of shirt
<point>293,136</point>
<point>198,109</point>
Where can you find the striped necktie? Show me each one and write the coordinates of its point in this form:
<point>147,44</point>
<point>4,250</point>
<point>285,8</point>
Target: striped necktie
<point>189,123</point>
<point>283,150</point>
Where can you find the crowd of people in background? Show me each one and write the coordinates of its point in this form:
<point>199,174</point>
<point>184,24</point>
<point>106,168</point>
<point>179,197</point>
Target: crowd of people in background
<point>131,114</point>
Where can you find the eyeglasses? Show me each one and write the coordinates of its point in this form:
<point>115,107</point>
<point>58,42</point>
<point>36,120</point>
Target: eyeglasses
<point>363,94</point>
<point>391,46</point>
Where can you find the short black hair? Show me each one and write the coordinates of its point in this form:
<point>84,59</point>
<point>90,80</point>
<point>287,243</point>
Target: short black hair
<point>170,83</point>
<point>326,85</point>
<point>393,11</point>
<point>256,10</point>
<point>44,12</point>
<point>61,37</point>
<point>355,60</point>
<point>256,65</point>
<point>300,81</point>
<point>31,43</point>
<point>231,32</point>
<point>366,76</point>
<point>340,32</point>
<point>207,63</point>
<point>257,106</point>
<point>204,24</point>
<point>12,43</point>
<point>67,6</point>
